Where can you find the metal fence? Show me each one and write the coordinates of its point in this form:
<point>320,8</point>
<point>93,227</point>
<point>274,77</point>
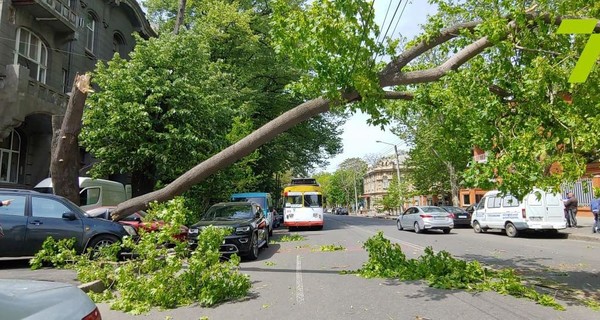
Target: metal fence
<point>582,189</point>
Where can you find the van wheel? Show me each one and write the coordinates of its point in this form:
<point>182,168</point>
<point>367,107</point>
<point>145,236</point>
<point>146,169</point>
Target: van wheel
<point>511,230</point>
<point>417,228</point>
<point>477,227</point>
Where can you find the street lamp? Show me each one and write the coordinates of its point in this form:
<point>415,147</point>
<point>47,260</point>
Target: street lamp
<point>397,169</point>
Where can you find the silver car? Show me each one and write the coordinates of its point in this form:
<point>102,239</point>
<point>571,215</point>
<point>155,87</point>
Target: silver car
<point>44,300</point>
<point>425,218</point>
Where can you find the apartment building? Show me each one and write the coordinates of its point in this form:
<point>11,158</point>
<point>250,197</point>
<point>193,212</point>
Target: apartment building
<point>43,44</point>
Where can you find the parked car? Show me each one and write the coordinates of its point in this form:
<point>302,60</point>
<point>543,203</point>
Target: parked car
<point>136,220</point>
<point>247,219</point>
<point>32,217</point>
<point>461,217</point>
<point>45,300</point>
<point>343,211</point>
<point>264,200</point>
<point>425,218</point>
<point>539,210</point>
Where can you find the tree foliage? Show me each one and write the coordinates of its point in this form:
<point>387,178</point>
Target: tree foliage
<point>182,98</point>
<point>509,44</point>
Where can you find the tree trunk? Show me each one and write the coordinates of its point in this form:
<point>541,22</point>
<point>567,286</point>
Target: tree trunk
<point>180,16</point>
<point>64,162</point>
<point>454,186</point>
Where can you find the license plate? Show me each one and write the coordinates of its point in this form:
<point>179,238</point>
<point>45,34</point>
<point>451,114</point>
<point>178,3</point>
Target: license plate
<point>440,218</point>
<point>462,216</point>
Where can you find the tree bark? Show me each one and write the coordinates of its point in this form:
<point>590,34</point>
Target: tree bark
<point>180,16</point>
<point>64,162</point>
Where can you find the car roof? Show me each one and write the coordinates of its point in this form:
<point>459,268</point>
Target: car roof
<point>18,190</point>
<point>226,204</point>
<point>250,194</point>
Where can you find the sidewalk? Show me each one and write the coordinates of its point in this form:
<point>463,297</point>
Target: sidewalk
<point>582,232</point>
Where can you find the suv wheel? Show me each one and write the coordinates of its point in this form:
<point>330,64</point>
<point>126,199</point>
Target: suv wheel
<point>253,254</point>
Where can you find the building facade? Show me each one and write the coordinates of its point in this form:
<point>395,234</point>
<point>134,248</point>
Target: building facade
<point>378,178</point>
<point>43,45</point>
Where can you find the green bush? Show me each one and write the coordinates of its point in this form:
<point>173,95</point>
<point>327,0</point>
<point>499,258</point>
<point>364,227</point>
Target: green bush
<point>162,272</point>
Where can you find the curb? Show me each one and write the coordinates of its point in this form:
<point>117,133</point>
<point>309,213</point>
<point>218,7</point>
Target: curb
<point>95,286</point>
<point>582,237</point>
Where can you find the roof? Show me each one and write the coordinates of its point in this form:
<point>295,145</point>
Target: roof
<point>250,194</point>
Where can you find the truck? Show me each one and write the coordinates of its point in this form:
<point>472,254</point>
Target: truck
<point>93,193</point>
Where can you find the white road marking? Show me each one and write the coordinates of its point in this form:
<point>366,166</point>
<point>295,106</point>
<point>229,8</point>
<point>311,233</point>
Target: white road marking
<point>299,286</point>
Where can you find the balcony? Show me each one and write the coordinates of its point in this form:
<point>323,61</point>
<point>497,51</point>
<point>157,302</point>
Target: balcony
<point>55,14</point>
<point>481,158</point>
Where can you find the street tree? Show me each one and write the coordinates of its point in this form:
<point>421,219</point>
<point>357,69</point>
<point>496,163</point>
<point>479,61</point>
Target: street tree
<point>497,43</point>
<point>434,126</point>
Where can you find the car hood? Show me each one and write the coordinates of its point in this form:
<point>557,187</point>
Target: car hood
<point>42,300</point>
<point>221,223</point>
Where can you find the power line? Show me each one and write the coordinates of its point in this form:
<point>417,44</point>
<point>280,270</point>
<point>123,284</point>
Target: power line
<point>388,28</point>
<point>385,19</point>
<point>399,18</point>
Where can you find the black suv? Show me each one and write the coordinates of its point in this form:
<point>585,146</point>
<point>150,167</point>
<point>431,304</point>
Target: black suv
<point>247,221</point>
<point>31,217</point>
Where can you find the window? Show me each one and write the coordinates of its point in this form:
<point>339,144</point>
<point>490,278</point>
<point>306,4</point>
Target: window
<point>32,53</point>
<point>89,196</point>
<point>386,182</point>
<point>16,207</point>
<point>510,201</point>
<point>118,44</point>
<point>466,200</point>
<point>47,208</point>
<point>312,200</point>
<point>90,29</point>
<point>494,202</point>
<point>9,157</point>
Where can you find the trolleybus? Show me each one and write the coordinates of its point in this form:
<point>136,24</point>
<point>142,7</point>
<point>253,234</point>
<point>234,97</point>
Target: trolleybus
<point>303,204</point>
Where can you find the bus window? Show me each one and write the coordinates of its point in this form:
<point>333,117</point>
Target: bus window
<point>312,200</point>
<point>293,201</point>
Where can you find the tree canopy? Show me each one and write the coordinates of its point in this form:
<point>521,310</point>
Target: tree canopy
<point>510,47</point>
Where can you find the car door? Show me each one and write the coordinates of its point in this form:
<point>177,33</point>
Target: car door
<point>404,217</point>
<point>13,222</point>
<point>46,220</point>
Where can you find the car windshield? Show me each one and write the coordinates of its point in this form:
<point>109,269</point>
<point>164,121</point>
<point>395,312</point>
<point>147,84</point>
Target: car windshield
<point>432,209</point>
<point>258,200</point>
<point>454,209</point>
<point>228,212</point>
<point>138,216</point>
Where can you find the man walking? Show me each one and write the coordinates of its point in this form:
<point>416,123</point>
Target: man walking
<point>571,210</point>
<point>595,207</point>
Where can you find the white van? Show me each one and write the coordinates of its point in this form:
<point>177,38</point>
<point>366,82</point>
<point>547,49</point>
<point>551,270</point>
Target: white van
<point>539,210</point>
<point>93,193</point>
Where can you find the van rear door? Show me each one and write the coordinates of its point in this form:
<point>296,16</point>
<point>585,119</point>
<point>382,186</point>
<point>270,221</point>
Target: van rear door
<point>554,208</point>
<point>534,207</point>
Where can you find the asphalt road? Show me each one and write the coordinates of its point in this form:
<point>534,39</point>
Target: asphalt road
<point>294,280</point>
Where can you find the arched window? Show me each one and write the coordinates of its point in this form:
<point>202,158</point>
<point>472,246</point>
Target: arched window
<point>90,30</point>
<point>10,149</point>
<point>118,44</point>
<point>32,53</point>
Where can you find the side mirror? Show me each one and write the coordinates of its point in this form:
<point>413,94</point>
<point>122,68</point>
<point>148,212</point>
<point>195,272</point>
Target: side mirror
<point>69,216</point>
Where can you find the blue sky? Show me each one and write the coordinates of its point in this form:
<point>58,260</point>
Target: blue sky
<point>358,137</point>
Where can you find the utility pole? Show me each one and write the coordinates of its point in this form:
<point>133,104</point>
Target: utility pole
<point>397,170</point>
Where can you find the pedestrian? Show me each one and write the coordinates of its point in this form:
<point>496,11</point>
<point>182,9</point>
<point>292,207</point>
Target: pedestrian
<point>595,207</point>
<point>5,202</point>
<point>571,210</point>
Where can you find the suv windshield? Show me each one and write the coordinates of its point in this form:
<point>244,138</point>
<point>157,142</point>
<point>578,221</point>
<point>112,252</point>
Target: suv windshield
<point>228,212</point>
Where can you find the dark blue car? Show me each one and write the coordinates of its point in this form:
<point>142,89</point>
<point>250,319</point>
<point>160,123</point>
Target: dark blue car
<point>31,217</point>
